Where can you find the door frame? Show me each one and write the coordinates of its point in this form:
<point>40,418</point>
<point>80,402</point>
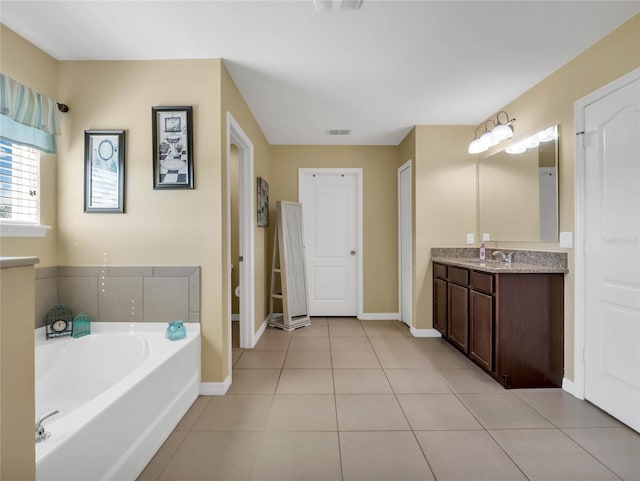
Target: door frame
<point>359,221</point>
<point>580,298</point>
<point>409,322</point>
<point>237,137</point>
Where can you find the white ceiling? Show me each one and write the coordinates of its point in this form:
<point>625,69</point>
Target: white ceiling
<point>378,70</point>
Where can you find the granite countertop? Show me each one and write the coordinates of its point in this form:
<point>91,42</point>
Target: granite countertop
<point>499,267</point>
<point>18,261</point>
<point>523,261</point>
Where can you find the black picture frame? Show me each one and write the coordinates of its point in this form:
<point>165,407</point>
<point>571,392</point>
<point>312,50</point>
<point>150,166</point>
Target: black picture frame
<point>172,135</point>
<point>262,196</point>
<point>104,156</point>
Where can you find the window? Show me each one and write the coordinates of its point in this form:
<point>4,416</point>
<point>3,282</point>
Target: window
<point>19,191</point>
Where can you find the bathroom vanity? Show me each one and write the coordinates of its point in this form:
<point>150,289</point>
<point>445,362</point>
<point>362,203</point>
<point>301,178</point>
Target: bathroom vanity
<point>505,317</point>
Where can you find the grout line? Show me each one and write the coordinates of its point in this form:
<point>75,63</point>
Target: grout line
<point>506,453</point>
<point>588,452</point>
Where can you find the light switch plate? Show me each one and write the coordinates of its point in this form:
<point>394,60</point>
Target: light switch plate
<point>469,238</point>
<point>566,240</point>
<point>486,237</point>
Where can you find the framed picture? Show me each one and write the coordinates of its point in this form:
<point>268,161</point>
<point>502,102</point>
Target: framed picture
<point>172,132</point>
<point>104,171</point>
<point>263,202</point>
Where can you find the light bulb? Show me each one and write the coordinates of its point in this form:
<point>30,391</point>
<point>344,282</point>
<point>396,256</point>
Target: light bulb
<point>476,146</point>
<point>488,140</point>
<point>502,132</point>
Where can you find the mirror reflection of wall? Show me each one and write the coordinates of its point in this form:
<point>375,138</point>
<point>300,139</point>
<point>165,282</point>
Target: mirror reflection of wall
<point>518,193</point>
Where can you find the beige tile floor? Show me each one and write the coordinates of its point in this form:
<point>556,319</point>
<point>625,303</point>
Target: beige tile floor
<point>363,400</point>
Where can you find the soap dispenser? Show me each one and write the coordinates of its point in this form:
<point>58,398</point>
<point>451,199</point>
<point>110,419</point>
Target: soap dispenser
<point>483,252</point>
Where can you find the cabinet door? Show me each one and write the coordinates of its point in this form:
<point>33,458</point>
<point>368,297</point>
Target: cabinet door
<point>481,329</point>
<point>440,305</point>
<point>458,327</point>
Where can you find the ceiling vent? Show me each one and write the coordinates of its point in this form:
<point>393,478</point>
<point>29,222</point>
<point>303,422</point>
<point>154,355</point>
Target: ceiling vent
<point>338,131</point>
<point>338,4</point>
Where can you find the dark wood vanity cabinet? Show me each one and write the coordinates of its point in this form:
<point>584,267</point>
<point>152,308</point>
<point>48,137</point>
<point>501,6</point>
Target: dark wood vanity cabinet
<point>481,329</point>
<point>509,324</point>
<point>458,316</point>
<point>440,308</point>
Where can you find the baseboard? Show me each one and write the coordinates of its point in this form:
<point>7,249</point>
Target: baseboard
<point>258,335</point>
<point>215,388</point>
<point>379,316</point>
<point>424,332</point>
<point>569,386</point>
<point>235,317</point>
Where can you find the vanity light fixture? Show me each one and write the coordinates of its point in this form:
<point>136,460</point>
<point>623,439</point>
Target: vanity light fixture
<point>501,130</point>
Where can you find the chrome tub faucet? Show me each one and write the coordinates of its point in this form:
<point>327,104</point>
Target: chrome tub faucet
<point>41,432</point>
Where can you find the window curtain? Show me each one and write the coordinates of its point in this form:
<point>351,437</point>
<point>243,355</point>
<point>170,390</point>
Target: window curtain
<point>27,117</point>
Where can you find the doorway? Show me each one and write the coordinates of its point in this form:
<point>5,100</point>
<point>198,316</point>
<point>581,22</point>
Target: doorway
<point>607,343</point>
<point>244,263</point>
<point>332,223</point>
<point>404,242</point>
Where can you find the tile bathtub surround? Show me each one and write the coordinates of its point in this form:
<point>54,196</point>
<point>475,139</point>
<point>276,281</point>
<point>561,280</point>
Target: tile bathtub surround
<point>301,409</point>
<point>121,293</point>
<point>46,292</point>
<point>534,258</point>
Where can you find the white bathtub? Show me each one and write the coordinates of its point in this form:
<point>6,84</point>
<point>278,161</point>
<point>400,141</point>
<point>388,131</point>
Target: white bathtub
<point>120,392</point>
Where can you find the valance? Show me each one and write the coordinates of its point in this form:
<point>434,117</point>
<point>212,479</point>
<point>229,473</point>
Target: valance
<point>26,116</point>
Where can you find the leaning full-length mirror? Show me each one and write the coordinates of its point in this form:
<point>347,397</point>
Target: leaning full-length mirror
<point>518,191</point>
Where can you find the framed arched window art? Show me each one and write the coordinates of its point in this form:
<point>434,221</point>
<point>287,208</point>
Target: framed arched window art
<point>104,171</point>
<point>172,132</point>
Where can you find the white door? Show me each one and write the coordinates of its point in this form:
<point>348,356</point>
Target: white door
<point>331,217</point>
<point>612,253</point>
<point>404,242</point>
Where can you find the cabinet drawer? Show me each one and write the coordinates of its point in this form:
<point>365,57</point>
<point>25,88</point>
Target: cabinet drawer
<point>481,282</point>
<point>440,270</point>
<point>458,275</point>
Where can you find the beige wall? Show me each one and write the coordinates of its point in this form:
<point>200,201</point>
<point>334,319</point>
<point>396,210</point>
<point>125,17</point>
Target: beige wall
<point>160,227</point>
<point>233,102</point>
<point>380,210</point>
<point>17,393</point>
<point>32,67</point>
<point>445,204</point>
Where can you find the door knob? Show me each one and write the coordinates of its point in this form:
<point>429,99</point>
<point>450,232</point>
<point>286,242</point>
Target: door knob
<point>353,253</point>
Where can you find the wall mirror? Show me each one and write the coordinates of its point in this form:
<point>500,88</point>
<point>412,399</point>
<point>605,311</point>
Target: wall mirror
<point>518,190</point>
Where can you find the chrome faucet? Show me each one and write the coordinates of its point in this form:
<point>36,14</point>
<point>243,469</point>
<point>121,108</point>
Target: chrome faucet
<point>504,257</point>
<point>41,432</point>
